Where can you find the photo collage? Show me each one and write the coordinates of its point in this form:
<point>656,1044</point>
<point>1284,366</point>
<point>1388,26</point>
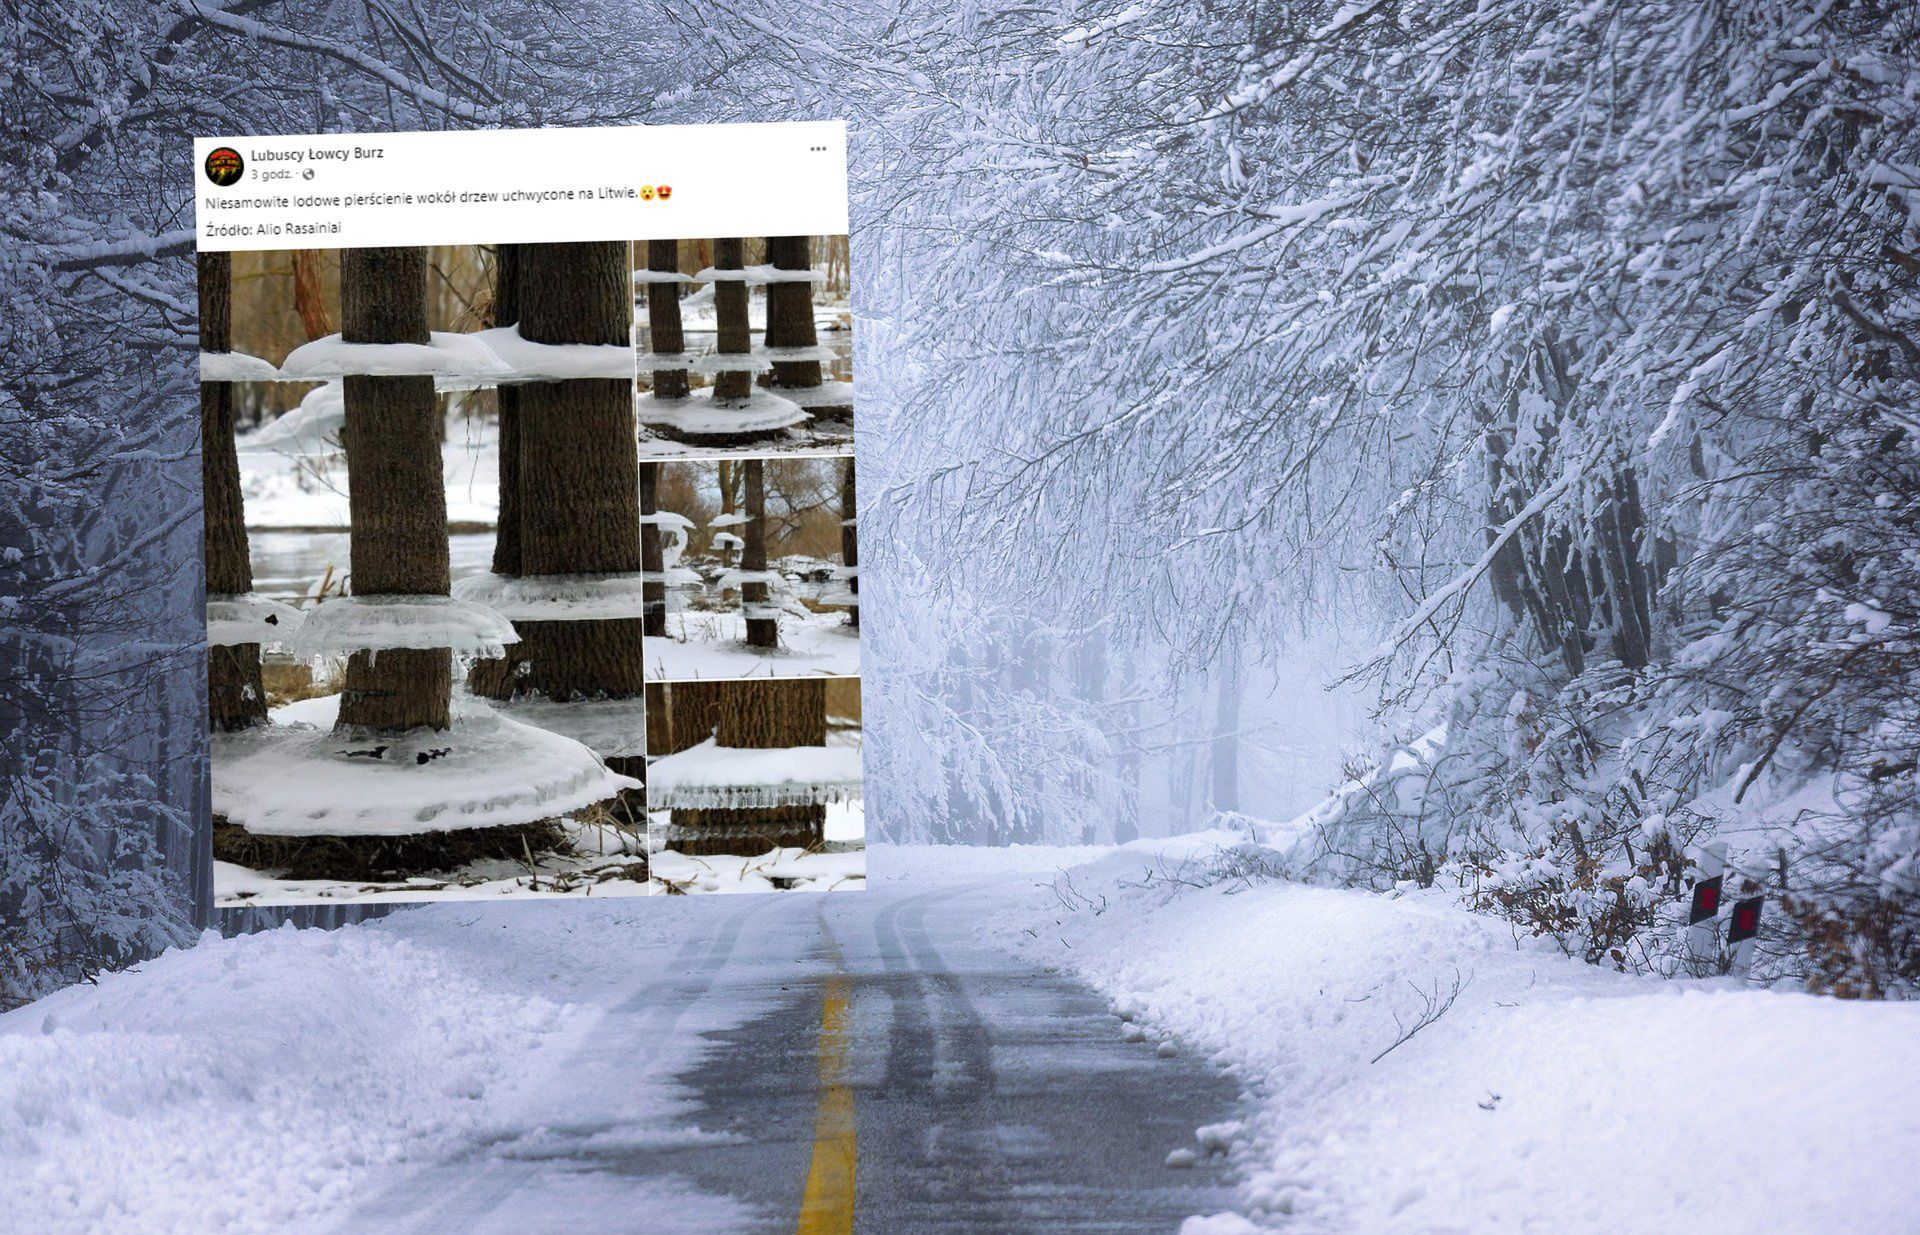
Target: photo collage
<point>532,570</point>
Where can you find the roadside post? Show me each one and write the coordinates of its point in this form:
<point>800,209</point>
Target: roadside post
<point>1743,931</point>
<point>1703,935</point>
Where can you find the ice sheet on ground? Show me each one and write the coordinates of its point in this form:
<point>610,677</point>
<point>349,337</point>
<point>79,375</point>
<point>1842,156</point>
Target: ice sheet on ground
<point>610,728</point>
<point>486,770</point>
<point>826,394</point>
<point>703,415</point>
<point>557,598</point>
<point>377,622</point>
<point>463,357</point>
<point>250,618</point>
<point>235,367</point>
<point>531,361</point>
<point>711,776</point>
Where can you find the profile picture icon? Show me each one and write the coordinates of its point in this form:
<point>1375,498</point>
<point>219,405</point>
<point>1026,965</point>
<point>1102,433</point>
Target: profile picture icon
<point>225,166</point>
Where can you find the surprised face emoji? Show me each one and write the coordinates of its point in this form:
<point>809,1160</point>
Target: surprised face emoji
<point>666,191</point>
<point>646,192</point>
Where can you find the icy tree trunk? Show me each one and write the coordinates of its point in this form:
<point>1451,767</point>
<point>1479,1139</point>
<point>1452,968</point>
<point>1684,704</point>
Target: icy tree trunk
<point>1226,734</point>
<point>850,538</point>
<point>755,596</point>
<point>652,557</point>
<point>235,697</point>
<point>397,499</point>
<point>790,313</point>
<point>579,474</point>
<point>733,327</point>
<point>663,318</point>
<point>752,715</point>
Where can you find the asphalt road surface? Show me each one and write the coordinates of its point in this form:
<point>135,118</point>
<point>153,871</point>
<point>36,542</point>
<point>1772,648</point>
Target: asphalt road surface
<point>865,1063</point>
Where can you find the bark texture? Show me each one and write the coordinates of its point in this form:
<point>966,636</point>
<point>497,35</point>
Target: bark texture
<point>735,334</point>
<point>663,318</point>
<point>790,313</point>
<point>235,697</point>
<point>397,498</point>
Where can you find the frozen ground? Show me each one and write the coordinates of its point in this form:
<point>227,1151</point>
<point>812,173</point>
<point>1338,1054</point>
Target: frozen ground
<point>840,868</point>
<point>714,645</point>
<point>653,1065</point>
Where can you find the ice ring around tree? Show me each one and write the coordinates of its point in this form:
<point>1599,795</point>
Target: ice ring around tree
<point>714,777</point>
<point>249,618</point>
<point>796,355</point>
<point>558,598</point>
<point>702,415</point>
<point>447,357</point>
<point>377,623</point>
<point>236,367</point>
<point>538,362</point>
<point>643,278</point>
<point>483,771</point>
<point>731,362</point>
<point>656,362</point>
<point>779,274</point>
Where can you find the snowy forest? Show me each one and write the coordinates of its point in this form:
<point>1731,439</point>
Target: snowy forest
<point>1469,444</point>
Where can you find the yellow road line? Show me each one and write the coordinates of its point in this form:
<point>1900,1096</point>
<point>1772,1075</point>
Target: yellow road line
<point>827,1206</point>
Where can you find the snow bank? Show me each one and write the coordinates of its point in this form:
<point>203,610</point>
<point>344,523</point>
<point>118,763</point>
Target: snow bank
<point>826,394</point>
<point>313,428</point>
<point>251,1084</point>
<point>710,776</point>
<point>484,771</point>
<point>1550,1095</point>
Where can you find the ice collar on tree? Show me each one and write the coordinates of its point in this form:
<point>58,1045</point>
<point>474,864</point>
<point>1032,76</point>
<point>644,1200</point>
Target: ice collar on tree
<point>558,598</point>
<point>453,360</point>
<point>236,367</point>
<point>484,771</point>
<point>249,618</point>
<point>530,361</point>
<point>643,278</point>
<point>714,777</point>
<point>731,362</point>
<point>819,353</point>
<point>378,623</point>
<point>728,519</point>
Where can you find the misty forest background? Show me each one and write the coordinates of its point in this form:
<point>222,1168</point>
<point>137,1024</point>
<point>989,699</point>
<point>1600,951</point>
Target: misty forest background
<point>1498,414</point>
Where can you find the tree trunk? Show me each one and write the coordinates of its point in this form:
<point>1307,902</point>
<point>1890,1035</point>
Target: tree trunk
<point>235,697</point>
<point>733,325</point>
<point>578,475</point>
<point>664,332</point>
<point>397,498</point>
<point>790,313</point>
<point>310,299</point>
<point>750,715</point>
<point>652,555</point>
<point>756,596</point>
<point>850,537</point>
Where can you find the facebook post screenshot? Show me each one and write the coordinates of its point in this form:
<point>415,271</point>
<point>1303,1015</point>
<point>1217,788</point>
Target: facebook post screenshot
<point>530,514</point>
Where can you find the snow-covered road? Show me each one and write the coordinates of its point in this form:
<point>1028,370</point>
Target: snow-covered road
<point>922,1057</point>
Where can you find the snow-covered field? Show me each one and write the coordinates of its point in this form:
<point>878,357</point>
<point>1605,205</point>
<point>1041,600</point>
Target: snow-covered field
<point>712,645</point>
<point>1550,1095</point>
